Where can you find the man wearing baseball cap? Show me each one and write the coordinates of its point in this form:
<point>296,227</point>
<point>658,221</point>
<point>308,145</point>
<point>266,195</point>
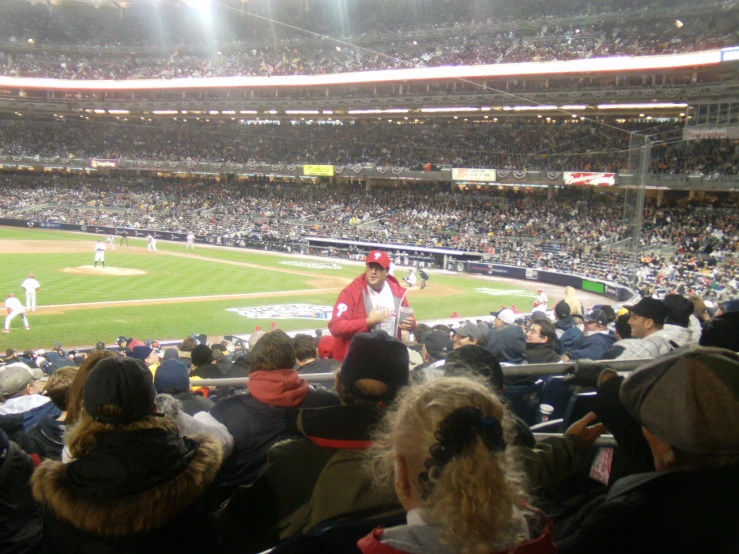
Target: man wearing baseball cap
<point>507,340</point>
<point>647,320</point>
<point>372,302</point>
<point>596,341</point>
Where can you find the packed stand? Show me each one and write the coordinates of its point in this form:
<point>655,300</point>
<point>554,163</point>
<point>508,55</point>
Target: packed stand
<point>568,146</point>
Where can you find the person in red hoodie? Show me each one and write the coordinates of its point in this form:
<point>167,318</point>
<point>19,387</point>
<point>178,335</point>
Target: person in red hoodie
<point>256,417</point>
<point>371,302</point>
<point>443,446</point>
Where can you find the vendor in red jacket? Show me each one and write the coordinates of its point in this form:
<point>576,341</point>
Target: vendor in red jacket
<point>369,303</point>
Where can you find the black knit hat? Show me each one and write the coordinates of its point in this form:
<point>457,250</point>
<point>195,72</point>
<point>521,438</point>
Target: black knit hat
<point>201,355</point>
<point>376,356</point>
<point>122,382</point>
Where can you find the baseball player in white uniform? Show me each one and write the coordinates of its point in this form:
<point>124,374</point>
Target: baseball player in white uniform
<point>152,243</point>
<point>14,307</point>
<point>99,253</point>
<point>541,301</point>
<point>190,241</point>
<point>111,241</point>
<point>30,285</point>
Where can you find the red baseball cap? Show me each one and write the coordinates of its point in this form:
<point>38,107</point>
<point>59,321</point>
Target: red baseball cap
<point>378,257</point>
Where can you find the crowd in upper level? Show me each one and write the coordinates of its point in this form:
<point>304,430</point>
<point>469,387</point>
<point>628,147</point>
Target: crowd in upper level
<point>511,144</point>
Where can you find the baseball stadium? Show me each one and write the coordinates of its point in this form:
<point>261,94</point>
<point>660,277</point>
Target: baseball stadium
<point>344,276</point>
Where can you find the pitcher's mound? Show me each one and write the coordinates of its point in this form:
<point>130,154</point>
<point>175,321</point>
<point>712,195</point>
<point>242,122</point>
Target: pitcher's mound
<point>114,271</point>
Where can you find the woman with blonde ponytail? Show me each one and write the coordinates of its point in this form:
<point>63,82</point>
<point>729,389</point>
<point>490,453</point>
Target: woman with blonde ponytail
<point>444,448</point>
<point>573,301</point>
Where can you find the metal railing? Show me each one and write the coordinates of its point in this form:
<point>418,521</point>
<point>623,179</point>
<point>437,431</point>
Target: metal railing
<point>533,370</point>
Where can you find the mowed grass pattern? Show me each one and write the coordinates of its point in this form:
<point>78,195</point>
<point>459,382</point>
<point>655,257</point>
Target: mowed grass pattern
<point>173,277</point>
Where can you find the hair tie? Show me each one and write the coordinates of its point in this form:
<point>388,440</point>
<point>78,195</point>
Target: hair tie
<point>457,432</point>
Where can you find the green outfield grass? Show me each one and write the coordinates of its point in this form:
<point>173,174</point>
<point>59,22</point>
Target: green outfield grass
<point>169,276</point>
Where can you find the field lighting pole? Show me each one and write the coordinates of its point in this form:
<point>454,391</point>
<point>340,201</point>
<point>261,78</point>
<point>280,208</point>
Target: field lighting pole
<point>640,156</point>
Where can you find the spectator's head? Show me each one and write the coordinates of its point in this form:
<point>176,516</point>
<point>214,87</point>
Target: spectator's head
<point>74,400</point>
<point>679,310</point>
<point>436,346</point>
<point>699,308</point>
<point>10,354</point>
<point>254,339</point>
<point>16,381</point>
<point>273,351</point>
<point>304,347</point>
<point>721,332</point>
<point>444,439</point>
<point>688,405</point>
<point>596,321</point>
<point>646,317</point>
<point>326,347</point>
<point>58,348</point>
<point>188,345</point>
<point>608,310</point>
<point>541,331</point>
<point>475,361</point>
<point>59,384</point>
<point>172,377</point>
<point>118,395</point>
<point>503,317</point>
<point>377,265</point>
<point>623,329</point>
<point>100,345</point>
<point>202,355</point>
<point>144,353</point>
<point>421,330</point>
<point>375,368</point>
<point>561,310</point>
<point>728,307</point>
<point>469,333</point>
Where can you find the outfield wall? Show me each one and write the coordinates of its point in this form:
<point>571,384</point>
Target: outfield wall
<point>614,291</point>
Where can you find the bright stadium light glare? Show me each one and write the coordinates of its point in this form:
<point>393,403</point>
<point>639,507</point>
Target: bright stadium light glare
<point>203,6</point>
<point>436,110</point>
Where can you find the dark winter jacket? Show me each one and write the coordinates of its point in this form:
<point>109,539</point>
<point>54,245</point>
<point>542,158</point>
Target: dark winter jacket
<point>567,334</point>
<point>541,353</point>
<point>138,491</point>
<point>257,425</point>
<point>591,346</point>
<point>508,344</point>
<point>46,438</point>
<point>309,480</point>
<point>678,512</point>
<point>20,518</point>
<point>193,403</point>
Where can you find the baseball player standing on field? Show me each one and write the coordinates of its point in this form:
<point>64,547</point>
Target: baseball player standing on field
<point>111,241</point>
<point>30,285</point>
<point>99,252</point>
<point>190,241</point>
<point>541,301</point>
<point>152,243</point>
<point>14,307</point>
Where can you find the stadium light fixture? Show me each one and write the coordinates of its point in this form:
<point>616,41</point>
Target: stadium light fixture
<point>213,112</point>
<point>529,108</point>
<point>366,112</point>
<point>203,6</point>
<point>164,112</point>
<point>248,111</point>
<point>302,112</point>
<point>99,111</point>
<point>450,110</point>
<point>123,112</point>
<point>228,112</point>
<point>570,107</point>
<point>662,105</point>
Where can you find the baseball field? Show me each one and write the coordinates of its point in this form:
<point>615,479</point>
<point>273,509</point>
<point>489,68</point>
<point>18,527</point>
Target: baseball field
<point>217,291</point>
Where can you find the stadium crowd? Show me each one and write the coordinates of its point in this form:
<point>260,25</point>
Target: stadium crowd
<point>572,232</point>
<point>509,144</point>
<point>550,43</point>
<point>412,445</point>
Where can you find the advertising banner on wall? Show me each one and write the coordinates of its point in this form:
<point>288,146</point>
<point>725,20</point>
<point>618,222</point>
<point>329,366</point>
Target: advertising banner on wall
<point>102,164</point>
<point>321,170</point>
<point>705,134</point>
<point>470,174</point>
<point>586,178</point>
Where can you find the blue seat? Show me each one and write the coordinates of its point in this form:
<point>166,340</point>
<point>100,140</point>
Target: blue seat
<point>524,400</point>
<point>557,395</point>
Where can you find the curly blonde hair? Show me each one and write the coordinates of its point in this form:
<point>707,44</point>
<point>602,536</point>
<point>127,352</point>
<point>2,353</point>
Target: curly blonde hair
<point>477,498</point>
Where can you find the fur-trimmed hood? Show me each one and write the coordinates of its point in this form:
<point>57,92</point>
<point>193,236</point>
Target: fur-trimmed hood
<point>121,516</point>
